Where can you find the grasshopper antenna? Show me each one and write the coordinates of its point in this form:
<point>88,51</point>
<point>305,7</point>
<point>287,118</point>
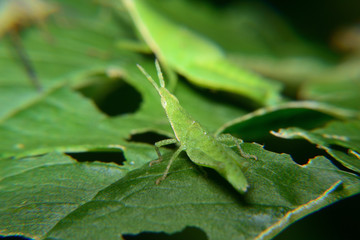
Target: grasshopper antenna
<point>159,73</point>
<point>148,77</point>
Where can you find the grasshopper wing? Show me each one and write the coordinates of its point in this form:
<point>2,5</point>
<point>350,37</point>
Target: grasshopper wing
<point>227,167</point>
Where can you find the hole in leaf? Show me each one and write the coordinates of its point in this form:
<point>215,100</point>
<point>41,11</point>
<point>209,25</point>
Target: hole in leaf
<point>300,150</point>
<point>150,138</point>
<point>112,97</point>
<point>339,148</point>
<point>258,128</point>
<point>15,238</point>
<point>107,157</point>
<point>187,233</point>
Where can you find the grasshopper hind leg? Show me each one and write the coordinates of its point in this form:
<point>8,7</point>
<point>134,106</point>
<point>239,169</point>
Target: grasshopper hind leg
<point>229,140</point>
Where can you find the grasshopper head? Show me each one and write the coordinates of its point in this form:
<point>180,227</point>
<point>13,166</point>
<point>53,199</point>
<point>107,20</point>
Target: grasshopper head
<point>168,101</point>
<point>166,96</point>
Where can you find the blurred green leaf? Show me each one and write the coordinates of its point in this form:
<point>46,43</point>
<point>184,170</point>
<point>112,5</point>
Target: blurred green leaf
<point>239,28</point>
<point>338,86</point>
<point>76,42</point>
<point>198,58</point>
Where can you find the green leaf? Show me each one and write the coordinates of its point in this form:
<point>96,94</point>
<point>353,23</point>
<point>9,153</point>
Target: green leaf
<point>281,192</point>
<point>333,135</point>
<point>35,193</point>
<point>196,57</point>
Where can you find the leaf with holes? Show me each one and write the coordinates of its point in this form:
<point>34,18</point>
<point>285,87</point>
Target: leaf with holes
<point>63,120</point>
<point>281,192</point>
<point>334,135</point>
<point>259,123</point>
<point>109,191</point>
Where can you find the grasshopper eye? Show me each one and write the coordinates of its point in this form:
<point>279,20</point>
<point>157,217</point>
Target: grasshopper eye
<point>163,102</point>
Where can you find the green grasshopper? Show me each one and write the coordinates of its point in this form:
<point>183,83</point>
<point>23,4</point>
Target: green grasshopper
<point>202,148</point>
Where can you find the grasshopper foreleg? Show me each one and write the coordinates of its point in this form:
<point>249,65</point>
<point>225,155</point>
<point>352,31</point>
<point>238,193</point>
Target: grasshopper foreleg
<point>160,144</point>
<point>173,157</point>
